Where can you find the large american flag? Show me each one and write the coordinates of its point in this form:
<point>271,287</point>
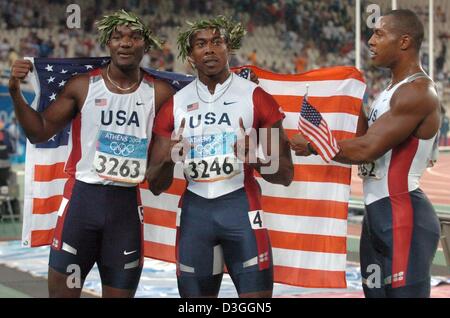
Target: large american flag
<point>315,129</point>
<point>307,221</point>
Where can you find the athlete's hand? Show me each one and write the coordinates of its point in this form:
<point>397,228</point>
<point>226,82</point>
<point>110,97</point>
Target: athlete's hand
<point>254,77</point>
<point>299,144</point>
<point>178,144</point>
<point>19,71</point>
<point>245,147</point>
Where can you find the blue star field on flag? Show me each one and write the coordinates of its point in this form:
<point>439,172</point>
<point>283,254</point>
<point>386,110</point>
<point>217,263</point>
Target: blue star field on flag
<point>310,113</point>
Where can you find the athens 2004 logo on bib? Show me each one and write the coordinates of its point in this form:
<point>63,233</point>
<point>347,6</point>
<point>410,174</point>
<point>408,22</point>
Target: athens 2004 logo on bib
<point>212,158</point>
<point>120,157</point>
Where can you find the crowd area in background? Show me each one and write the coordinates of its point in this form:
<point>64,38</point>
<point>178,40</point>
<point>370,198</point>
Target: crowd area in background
<point>313,34</point>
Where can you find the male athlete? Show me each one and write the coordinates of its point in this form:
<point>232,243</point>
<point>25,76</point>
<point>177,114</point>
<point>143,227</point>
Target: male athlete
<point>401,230</point>
<point>112,111</point>
<point>221,207</point>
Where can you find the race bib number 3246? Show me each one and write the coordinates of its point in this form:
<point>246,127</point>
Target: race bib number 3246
<point>212,158</point>
<point>120,157</point>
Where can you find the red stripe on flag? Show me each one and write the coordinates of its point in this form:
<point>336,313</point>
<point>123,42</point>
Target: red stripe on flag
<point>41,237</point>
<point>336,104</point>
<point>328,73</point>
<point>46,205</point>
<point>303,207</point>
<point>338,134</point>
<point>318,138</point>
<point>320,173</point>
<point>309,277</point>
<point>308,242</point>
<point>177,188</point>
<point>159,251</point>
<point>160,217</point>
<point>47,173</point>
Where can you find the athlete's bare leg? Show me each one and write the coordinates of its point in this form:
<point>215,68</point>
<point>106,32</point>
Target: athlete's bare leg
<point>111,292</point>
<point>58,288</point>
<point>260,294</point>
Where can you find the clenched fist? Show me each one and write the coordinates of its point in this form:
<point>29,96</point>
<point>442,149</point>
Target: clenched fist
<point>19,71</point>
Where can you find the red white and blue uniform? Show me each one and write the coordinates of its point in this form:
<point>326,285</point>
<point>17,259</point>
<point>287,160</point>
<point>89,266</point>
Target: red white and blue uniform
<point>400,230</point>
<point>99,218</point>
<point>221,207</point>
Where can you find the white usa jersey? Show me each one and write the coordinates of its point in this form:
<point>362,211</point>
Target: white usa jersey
<point>111,134</point>
<point>398,170</point>
<point>212,129</point>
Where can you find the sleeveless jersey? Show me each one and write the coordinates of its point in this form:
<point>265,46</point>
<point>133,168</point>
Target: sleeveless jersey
<point>398,170</point>
<point>212,128</point>
<point>111,134</point>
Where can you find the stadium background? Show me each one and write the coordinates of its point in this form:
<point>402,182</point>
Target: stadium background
<point>291,36</point>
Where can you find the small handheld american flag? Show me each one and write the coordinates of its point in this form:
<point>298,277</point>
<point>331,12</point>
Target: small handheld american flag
<point>315,129</point>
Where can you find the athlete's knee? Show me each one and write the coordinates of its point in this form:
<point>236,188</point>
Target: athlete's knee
<point>63,286</point>
<point>258,294</point>
<point>120,279</point>
<point>111,292</point>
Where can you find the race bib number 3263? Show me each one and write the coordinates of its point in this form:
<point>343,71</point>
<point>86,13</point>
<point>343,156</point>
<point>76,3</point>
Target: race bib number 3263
<point>120,157</point>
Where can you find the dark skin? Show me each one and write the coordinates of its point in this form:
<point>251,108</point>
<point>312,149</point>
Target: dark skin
<point>209,56</point>
<point>414,107</point>
<point>127,48</point>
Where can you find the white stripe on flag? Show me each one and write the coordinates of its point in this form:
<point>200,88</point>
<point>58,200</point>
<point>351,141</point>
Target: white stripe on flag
<point>348,87</point>
<point>48,156</point>
<point>43,221</point>
<point>319,138</point>
<point>159,234</point>
<point>305,224</point>
<point>307,190</point>
<point>309,260</point>
<point>336,121</point>
<point>44,190</point>
<point>315,160</point>
<point>164,201</point>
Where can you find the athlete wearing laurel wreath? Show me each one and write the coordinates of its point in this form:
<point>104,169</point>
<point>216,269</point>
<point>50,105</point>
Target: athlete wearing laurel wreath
<point>221,212</point>
<point>112,111</point>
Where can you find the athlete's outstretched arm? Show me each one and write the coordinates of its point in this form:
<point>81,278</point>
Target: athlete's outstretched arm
<point>414,110</point>
<point>41,126</point>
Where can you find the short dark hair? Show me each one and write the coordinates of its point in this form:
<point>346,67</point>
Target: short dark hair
<point>407,22</point>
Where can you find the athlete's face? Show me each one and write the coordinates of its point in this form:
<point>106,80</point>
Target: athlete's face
<point>127,47</point>
<point>209,52</point>
<point>384,43</point>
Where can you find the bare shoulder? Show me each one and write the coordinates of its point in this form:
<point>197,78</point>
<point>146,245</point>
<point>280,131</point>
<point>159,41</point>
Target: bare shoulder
<point>419,96</point>
<point>163,92</point>
<point>77,86</point>
<point>162,85</point>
